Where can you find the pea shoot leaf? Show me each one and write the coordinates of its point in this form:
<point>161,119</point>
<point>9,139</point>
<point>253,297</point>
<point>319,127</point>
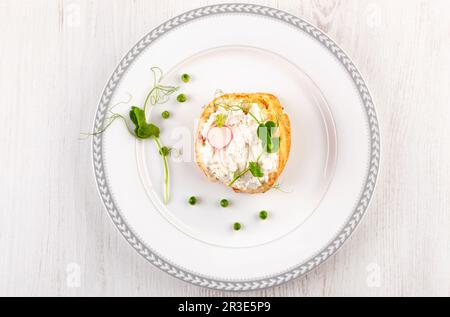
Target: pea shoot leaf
<point>265,132</point>
<point>270,125</point>
<point>143,130</point>
<point>255,169</point>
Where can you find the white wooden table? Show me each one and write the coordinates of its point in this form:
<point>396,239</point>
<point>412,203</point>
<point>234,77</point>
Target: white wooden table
<point>56,239</point>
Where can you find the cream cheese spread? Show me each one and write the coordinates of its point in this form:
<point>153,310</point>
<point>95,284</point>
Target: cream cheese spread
<point>245,147</point>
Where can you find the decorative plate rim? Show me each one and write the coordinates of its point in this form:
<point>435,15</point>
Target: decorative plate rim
<point>194,278</point>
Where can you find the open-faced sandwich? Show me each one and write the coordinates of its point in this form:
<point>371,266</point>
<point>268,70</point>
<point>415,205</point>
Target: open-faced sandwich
<point>243,141</point>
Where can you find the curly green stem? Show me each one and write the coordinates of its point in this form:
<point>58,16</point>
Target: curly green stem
<point>166,170</point>
<point>238,176</point>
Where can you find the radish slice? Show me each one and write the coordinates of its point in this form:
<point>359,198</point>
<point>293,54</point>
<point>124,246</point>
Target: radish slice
<point>220,138</point>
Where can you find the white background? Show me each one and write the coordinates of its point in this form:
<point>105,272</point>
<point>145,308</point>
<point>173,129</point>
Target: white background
<point>56,239</point>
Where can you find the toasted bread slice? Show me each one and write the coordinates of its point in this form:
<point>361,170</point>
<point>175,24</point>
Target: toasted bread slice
<point>271,109</point>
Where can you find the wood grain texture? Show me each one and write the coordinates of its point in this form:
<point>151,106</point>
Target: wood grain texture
<point>55,57</point>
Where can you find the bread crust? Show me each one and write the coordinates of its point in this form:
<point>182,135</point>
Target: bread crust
<point>273,110</point>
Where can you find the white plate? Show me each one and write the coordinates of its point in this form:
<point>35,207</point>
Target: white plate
<point>329,179</point>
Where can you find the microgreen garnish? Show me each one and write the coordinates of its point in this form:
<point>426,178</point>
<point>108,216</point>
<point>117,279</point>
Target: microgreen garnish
<point>253,167</point>
<point>218,93</point>
<point>165,151</point>
<point>238,175</point>
<point>220,120</point>
<point>254,117</point>
<point>239,107</point>
<point>243,106</point>
<point>266,129</point>
<point>265,133</point>
<point>160,93</point>
<point>277,186</point>
<point>110,120</point>
<point>143,128</point>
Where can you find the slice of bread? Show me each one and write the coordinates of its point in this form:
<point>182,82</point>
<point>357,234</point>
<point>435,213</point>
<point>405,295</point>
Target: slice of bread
<point>272,110</point>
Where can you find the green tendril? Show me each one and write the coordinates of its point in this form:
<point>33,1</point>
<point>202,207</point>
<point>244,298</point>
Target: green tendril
<point>143,128</point>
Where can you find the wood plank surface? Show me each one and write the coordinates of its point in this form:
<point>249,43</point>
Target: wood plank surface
<point>55,57</point>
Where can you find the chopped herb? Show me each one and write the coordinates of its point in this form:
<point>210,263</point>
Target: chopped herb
<point>253,167</point>
<point>237,226</point>
<point>165,115</point>
<point>185,78</point>
<point>192,200</point>
<point>220,120</point>
<point>181,98</point>
<point>224,203</point>
<point>263,215</point>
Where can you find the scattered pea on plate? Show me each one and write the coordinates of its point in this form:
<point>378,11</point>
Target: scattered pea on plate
<point>181,98</point>
<point>165,115</point>
<point>192,200</point>
<point>185,78</point>
<point>224,203</point>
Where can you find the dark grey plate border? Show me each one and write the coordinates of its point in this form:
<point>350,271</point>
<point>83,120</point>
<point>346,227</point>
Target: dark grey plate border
<point>195,278</point>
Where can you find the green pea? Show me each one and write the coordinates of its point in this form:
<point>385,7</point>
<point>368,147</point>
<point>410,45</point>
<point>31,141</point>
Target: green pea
<point>165,114</point>
<point>263,215</point>
<point>192,200</point>
<point>181,98</point>
<point>224,203</point>
<point>185,78</point>
<point>237,226</point>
